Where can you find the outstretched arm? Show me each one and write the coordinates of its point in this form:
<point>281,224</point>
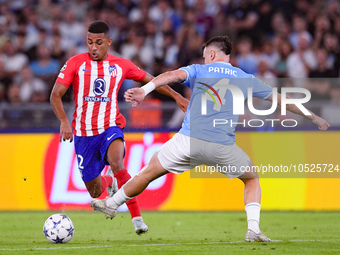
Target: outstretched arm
<point>320,122</point>
<point>57,105</point>
<point>137,94</point>
<point>166,90</point>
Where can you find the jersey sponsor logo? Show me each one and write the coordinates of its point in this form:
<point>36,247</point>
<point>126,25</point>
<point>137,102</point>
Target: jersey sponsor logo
<point>97,99</point>
<point>61,75</point>
<point>113,71</point>
<point>99,86</point>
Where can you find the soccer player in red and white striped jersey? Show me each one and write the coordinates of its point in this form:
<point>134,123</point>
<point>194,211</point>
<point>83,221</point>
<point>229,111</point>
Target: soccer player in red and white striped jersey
<point>96,77</point>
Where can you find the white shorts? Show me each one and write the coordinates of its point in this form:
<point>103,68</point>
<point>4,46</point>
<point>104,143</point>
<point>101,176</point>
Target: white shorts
<point>182,153</point>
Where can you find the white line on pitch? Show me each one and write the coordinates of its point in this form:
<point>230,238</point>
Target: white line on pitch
<point>156,244</point>
<point>56,248</point>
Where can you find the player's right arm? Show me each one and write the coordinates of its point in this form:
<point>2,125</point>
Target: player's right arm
<point>320,122</point>
<point>263,90</point>
<point>58,92</point>
<point>137,94</point>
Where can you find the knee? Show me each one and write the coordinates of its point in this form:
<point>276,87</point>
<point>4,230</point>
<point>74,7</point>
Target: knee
<point>94,193</point>
<point>116,165</point>
<point>142,178</point>
<point>253,181</point>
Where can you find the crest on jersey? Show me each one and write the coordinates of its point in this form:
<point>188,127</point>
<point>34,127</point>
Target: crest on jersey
<point>99,86</point>
<point>113,71</point>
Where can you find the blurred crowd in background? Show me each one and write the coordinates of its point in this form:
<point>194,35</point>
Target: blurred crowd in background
<point>293,39</point>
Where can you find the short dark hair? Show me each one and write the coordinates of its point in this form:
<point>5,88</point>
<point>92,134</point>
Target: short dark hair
<point>99,27</point>
<point>222,42</point>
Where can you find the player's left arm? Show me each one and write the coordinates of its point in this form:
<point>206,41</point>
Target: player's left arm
<point>166,90</point>
<point>317,120</point>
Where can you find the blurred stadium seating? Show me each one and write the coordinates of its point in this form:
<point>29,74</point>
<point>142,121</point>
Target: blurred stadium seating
<point>273,40</point>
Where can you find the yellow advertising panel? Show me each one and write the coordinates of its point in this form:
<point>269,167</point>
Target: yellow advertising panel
<point>21,164</point>
<point>299,171</point>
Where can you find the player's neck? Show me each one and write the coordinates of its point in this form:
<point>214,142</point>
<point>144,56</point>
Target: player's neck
<point>102,59</point>
<point>220,60</point>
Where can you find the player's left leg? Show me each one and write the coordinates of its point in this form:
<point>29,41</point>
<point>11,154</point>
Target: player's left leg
<point>252,200</point>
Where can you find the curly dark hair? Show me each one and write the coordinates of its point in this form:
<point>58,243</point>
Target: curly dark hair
<point>99,27</point>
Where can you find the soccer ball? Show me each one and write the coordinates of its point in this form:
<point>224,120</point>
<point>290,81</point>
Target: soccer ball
<point>58,228</point>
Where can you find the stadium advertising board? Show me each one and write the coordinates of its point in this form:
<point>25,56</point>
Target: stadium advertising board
<point>39,173</point>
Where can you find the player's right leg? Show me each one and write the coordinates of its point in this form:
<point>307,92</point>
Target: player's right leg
<point>252,200</point>
<point>90,166</point>
<point>132,188</point>
<point>172,156</point>
<point>97,186</point>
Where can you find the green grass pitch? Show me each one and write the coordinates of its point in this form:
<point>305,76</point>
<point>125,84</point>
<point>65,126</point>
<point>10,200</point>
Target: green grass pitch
<point>174,233</point>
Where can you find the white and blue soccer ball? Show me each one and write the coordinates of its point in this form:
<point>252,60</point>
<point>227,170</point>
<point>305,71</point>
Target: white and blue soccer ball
<point>58,228</point>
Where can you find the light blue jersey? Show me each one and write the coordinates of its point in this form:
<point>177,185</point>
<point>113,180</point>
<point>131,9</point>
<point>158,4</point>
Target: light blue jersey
<point>218,94</point>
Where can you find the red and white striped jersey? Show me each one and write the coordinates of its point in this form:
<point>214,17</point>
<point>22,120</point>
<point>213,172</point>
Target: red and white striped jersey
<point>95,85</point>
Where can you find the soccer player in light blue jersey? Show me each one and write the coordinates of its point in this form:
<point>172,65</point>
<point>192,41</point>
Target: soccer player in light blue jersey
<point>217,89</point>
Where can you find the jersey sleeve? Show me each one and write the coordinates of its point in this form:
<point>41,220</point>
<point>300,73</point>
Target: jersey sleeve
<point>67,73</point>
<point>261,89</point>
<point>134,72</point>
<point>191,74</point>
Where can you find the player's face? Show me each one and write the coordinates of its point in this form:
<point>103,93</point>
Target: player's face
<point>98,45</point>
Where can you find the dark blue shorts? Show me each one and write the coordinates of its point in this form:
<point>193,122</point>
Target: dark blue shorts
<point>91,152</point>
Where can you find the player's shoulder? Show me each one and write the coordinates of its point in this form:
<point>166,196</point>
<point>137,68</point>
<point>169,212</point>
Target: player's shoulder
<point>75,62</point>
<point>240,73</point>
<point>122,62</point>
<point>79,57</point>
<point>191,67</point>
<point>111,57</point>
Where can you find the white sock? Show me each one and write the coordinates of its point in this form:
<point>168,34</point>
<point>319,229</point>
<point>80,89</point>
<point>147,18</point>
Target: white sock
<point>253,216</point>
<point>117,199</point>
